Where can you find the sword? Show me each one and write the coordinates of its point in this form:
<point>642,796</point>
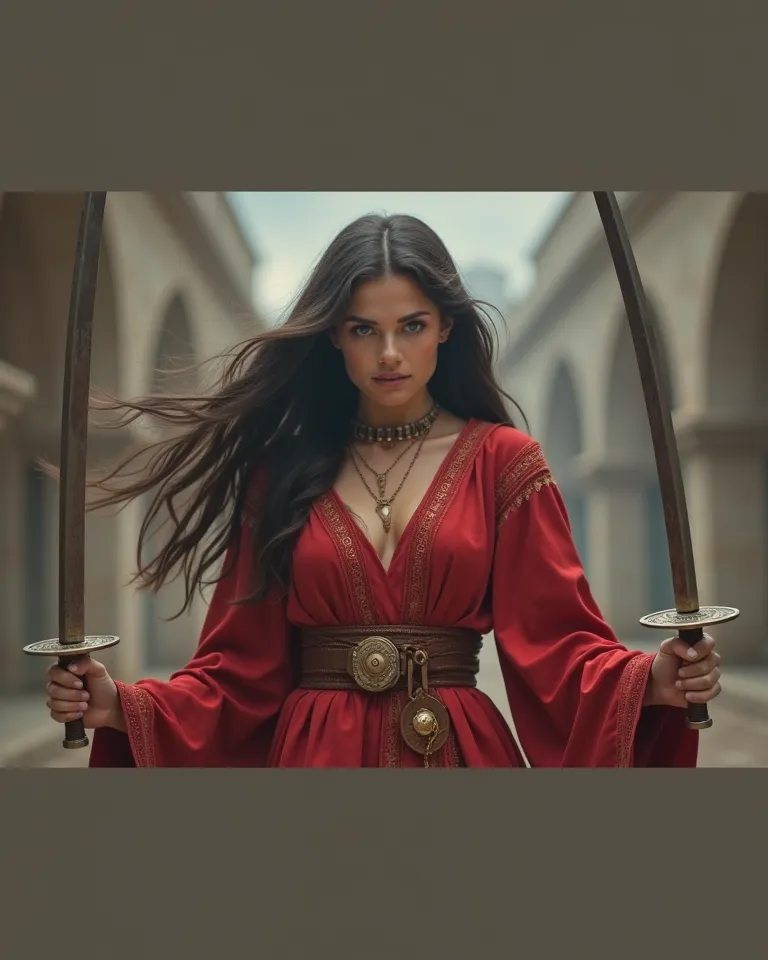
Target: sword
<point>688,618</point>
<point>72,641</point>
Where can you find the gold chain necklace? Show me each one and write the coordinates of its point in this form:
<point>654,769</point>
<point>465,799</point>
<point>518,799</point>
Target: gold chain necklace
<point>381,478</point>
<point>383,503</point>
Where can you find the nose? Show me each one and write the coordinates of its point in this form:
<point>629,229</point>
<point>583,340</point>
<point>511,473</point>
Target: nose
<point>389,355</point>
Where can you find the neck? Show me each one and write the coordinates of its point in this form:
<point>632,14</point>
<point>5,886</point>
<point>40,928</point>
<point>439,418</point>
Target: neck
<point>374,415</point>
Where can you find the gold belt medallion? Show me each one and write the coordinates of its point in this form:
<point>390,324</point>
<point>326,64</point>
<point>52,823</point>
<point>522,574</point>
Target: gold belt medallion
<point>375,664</point>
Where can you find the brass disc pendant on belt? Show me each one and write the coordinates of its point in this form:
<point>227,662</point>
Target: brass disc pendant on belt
<point>424,724</point>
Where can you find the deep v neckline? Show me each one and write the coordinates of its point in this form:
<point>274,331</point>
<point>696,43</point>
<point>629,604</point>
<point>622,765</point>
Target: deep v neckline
<point>405,536</point>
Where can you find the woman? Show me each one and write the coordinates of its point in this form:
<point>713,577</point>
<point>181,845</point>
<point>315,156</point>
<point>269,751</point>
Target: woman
<point>377,514</point>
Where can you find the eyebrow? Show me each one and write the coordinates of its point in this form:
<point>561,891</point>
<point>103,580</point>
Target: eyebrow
<point>353,318</point>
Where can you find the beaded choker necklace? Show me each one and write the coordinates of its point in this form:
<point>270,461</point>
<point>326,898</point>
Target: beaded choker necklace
<point>389,435</point>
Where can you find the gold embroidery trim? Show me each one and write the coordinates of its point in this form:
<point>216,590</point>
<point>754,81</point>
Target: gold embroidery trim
<point>349,552</point>
<point>631,688</point>
<point>139,713</point>
<point>392,741</point>
<point>452,753</point>
<point>524,475</point>
<point>429,516</point>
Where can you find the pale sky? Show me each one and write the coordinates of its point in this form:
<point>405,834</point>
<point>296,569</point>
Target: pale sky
<point>290,230</point>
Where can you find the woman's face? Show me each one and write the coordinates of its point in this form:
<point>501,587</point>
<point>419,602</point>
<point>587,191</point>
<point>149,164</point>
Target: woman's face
<point>390,340</point>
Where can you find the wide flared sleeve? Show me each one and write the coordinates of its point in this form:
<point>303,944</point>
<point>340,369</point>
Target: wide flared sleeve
<point>575,693</point>
<point>220,710</point>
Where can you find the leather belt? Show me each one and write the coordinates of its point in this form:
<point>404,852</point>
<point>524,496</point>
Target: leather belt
<point>384,657</point>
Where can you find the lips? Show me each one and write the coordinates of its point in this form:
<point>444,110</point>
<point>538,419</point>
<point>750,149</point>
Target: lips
<point>399,378</point>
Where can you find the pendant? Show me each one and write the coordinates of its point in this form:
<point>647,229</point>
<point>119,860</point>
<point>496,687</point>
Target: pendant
<point>381,479</point>
<point>384,511</point>
<point>424,724</point>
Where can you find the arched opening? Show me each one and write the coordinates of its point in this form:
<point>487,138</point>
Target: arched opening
<point>38,236</point>
<point>732,456</point>
<point>737,342</point>
<point>631,450</point>
<point>629,434</point>
<point>175,351</point>
<point>170,642</point>
<point>563,444</point>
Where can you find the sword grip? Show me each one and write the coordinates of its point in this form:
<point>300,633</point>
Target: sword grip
<point>697,716</point>
<point>74,730</point>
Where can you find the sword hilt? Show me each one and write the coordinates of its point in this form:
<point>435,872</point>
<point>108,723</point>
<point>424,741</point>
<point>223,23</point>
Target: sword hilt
<point>74,730</point>
<point>697,714</point>
<point>690,628</point>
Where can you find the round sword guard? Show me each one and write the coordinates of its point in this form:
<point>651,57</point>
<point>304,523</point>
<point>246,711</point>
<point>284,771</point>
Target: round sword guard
<point>698,620</point>
<point>70,651</point>
<point>74,731</point>
<point>697,715</point>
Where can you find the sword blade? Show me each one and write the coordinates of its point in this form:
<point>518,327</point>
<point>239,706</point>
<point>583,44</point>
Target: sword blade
<point>658,406</point>
<point>72,641</point>
<point>74,437</point>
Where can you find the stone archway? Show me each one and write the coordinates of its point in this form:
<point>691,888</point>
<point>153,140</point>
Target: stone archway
<point>564,445</point>
<point>170,642</point>
<point>38,235</point>
<point>727,445</point>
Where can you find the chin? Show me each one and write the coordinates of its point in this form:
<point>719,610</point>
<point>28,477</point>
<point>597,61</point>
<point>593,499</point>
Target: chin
<point>392,397</point>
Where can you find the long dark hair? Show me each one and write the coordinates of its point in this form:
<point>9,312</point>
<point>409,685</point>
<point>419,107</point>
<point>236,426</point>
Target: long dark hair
<point>281,410</point>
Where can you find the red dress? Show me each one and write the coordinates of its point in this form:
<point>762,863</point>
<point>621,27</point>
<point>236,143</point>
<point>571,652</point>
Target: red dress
<point>489,548</point>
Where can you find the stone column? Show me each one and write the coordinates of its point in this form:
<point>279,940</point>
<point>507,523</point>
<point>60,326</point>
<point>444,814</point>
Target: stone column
<point>114,604</point>
<point>12,592</point>
<point>129,658</point>
<point>726,470</point>
<point>576,504</point>
<point>16,389</point>
<point>617,537</point>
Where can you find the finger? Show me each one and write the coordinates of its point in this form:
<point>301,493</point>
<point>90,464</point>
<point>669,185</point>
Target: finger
<point>703,696</point>
<point>57,692</point>
<point>699,683</point>
<point>66,717</point>
<point>65,678</point>
<point>80,666</point>
<point>64,706</point>
<point>680,647</point>
<point>86,666</point>
<point>700,668</point>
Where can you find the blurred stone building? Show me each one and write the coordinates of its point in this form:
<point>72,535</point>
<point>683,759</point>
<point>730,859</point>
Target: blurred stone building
<point>486,282</point>
<point>703,258</point>
<point>175,283</point>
